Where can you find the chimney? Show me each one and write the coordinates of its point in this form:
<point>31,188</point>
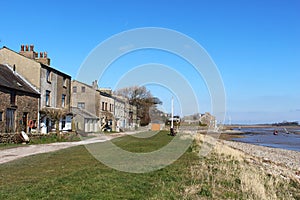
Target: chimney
<point>43,58</point>
<point>29,52</point>
<point>95,84</point>
<point>26,52</point>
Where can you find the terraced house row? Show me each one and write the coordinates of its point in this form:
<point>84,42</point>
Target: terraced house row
<point>32,93</point>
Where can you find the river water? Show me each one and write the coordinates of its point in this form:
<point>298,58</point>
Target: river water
<point>265,137</point>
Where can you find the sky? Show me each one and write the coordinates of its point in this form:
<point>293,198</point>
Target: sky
<point>255,45</point>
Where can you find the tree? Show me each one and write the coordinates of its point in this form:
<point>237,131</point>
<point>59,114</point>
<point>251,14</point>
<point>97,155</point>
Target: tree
<point>55,115</point>
<point>142,98</point>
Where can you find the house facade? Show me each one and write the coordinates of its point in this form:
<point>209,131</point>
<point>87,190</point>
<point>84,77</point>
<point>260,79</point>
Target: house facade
<point>85,97</point>
<point>85,106</point>
<point>19,102</point>
<point>114,113</point>
<point>107,107</point>
<point>54,86</point>
<point>119,113</point>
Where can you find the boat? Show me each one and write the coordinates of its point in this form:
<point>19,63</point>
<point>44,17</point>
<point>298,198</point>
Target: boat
<point>275,132</point>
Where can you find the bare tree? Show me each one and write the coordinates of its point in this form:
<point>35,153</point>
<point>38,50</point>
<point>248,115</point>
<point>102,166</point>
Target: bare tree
<point>142,98</point>
<point>55,115</point>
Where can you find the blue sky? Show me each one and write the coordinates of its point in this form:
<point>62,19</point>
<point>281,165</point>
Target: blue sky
<point>255,44</point>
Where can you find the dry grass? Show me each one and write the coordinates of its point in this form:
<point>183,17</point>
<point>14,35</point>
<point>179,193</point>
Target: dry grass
<point>226,173</point>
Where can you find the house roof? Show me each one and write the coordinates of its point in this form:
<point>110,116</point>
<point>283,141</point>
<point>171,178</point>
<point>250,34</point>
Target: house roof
<point>42,65</point>
<point>85,114</point>
<point>12,80</point>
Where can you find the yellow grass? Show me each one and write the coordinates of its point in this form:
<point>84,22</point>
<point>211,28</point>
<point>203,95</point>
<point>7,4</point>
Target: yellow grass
<point>230,171</point>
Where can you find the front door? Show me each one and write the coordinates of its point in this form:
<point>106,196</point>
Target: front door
<point>10,120</point>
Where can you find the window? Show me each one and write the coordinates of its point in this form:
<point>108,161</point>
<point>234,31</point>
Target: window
<point>64,82</point>
<point>48,98</point>
<point>74,89</point>
<point>82,89</point>
<point>81,105</point>
<point>48,76</point>
<point>63,100</point>
<point>13,98</point>
<point>110,107</point>
<point>1,115</point>
<point>103,106</point>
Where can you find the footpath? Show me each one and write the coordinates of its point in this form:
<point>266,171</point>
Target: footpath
<point>7,155</point>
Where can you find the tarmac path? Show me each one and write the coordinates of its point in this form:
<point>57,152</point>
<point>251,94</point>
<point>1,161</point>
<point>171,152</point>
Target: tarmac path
<point>7,155</point>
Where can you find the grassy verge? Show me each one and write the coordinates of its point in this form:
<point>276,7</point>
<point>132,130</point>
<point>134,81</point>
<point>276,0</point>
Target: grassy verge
<point>74,174</point>
<point>51,138</point>
<point>46,139</point>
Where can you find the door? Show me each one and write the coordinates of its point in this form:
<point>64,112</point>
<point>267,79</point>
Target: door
<point>10,120</point>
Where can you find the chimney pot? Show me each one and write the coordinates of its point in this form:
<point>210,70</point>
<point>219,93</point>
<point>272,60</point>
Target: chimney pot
<point>22,47</point>
<point>26,47</point>
<point>41,54</point>
<point>45,55</point>
<point>31,47</point>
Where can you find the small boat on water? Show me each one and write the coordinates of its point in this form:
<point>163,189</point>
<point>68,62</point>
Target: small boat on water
<point>275,132</point>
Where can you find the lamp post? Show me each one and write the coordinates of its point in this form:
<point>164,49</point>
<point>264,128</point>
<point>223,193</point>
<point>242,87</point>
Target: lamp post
<point>172,118</point>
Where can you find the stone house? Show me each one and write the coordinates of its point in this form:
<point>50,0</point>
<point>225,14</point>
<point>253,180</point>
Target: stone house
<point>131,116</point>
<point>107,107</point>
<point>85,104</point>
<point>54,86</point>
<point>114,112</point>
<point>119,112</point>
<point>98,102</point>
<point>18,102</point>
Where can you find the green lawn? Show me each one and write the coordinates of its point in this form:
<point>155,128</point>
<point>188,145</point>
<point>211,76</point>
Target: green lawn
<point>74,174</point>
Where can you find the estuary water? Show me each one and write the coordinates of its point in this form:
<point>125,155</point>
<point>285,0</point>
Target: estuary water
<point>265,137</point>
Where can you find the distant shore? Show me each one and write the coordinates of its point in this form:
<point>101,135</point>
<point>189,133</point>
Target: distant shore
<point>236,126</point>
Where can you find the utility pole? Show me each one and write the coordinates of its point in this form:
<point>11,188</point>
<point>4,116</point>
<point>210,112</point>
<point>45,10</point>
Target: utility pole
<point>172,118</point>
<point>172,113</point>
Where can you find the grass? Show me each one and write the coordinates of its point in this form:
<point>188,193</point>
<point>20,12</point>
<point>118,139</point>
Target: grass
<point>46,139</point>
<point>51,138</point>
<point>74,174</point>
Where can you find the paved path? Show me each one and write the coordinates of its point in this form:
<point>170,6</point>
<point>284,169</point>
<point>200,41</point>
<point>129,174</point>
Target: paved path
<point>11,154</point>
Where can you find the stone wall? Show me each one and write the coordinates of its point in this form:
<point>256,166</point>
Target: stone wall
<point>5,103</point>
<point>25,103</point>
<point>10,138</point>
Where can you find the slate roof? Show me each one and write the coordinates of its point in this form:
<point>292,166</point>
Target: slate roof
<point>13,81</point>
<point>85,114</point>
